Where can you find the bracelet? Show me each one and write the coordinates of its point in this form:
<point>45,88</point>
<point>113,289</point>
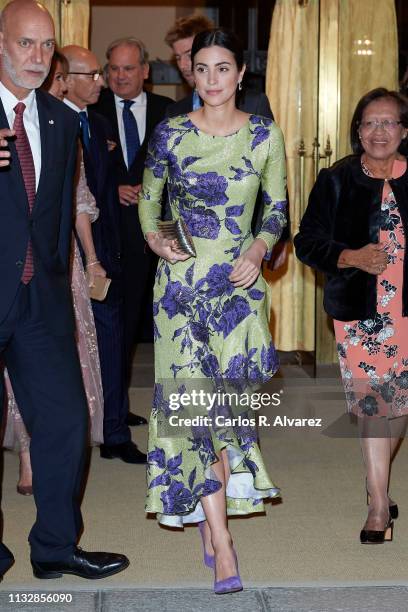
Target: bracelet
<point>90,257</point>
<point>92,263</point>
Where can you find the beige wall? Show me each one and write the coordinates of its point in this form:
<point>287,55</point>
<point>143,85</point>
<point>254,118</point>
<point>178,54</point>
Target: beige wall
<point>150,23</point>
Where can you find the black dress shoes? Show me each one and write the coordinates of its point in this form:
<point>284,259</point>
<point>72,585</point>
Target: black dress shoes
<point>134,419</point>
<point>127,451</point>
<point>91,565</point>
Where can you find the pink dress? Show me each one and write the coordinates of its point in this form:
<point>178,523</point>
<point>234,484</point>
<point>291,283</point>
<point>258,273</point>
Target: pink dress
<point>16,436</point>
<point>373,354</point>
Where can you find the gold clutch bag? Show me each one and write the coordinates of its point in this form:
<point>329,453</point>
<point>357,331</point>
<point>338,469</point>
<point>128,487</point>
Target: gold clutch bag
<point>178,230</point>
<point>99,289</point>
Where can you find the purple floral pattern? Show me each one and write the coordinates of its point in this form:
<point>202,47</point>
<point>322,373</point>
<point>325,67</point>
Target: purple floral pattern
<point>206,329</point>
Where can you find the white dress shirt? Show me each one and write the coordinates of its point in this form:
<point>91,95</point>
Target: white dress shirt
<point>76,109</point>
<point>30,120</point>
<point>139,112</point>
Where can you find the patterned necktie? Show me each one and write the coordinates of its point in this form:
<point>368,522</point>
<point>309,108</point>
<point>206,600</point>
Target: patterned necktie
<point>84,124</point>
<point>131,132</point>
<point>25,158</point>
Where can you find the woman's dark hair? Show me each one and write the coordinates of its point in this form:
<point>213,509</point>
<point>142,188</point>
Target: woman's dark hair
<point>220,37</point>
<point>378,94</point>
<point>57,58</point>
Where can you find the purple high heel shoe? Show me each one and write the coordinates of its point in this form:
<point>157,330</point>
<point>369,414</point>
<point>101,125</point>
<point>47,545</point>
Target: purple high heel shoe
<point>209,560</point>
<point>232,584</point>
<point>229,585</point>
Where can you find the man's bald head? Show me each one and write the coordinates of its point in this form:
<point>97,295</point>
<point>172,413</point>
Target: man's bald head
<point>21,9</point>
<point>82,88</point>
<point>27,42</point>
<point>79,57</point>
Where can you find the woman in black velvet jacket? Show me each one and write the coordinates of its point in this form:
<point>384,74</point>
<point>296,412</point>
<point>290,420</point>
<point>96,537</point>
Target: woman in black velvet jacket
<point>353,230</point>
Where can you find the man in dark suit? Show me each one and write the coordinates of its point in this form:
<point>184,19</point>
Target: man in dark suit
<point>36,319</point>
<point>132,114</point>
<point>83,84</point>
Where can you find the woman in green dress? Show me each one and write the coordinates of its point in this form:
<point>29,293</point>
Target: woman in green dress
<point>211,311</point>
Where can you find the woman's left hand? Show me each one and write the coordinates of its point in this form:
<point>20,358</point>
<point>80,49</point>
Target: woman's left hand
<point>248,265</point>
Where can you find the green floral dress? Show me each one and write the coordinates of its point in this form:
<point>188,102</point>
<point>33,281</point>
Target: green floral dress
<point>208,334</point>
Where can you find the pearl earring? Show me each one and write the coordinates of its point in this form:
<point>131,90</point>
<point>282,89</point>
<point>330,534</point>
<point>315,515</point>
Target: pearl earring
<point>239,85</point>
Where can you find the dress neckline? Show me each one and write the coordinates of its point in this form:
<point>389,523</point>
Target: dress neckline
<point>399,168</point>
<point>245,125</point>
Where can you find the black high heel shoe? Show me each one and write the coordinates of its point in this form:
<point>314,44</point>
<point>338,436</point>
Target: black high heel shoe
<point>392,508</point>
<point>371,536</point>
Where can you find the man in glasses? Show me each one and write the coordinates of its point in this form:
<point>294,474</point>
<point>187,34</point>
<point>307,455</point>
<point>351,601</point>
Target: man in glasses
<point>84,84</point>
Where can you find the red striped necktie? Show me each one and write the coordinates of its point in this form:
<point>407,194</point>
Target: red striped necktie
<point>25,157</point>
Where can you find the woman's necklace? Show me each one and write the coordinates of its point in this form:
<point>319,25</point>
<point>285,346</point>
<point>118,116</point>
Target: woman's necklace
<point>372,173</point>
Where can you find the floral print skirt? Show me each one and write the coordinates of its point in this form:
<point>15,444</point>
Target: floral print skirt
<point>209,337</point>
<point>373,354</point>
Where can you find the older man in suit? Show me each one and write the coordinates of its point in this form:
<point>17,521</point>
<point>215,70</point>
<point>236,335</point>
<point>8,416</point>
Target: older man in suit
<point>132,114</point>
<point>83,84</point>
<point>36,318</point>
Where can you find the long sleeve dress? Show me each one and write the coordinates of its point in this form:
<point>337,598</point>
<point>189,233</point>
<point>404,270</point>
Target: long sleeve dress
<point>16,435</point>
<point>209,334</point>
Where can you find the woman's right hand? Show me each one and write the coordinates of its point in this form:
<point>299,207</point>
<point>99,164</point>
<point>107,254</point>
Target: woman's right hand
<point>372,258</point>
<point>167,249</point>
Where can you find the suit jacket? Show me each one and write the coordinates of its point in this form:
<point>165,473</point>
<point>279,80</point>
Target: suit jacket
<point>50,225</point>
<point>247,101</point>
<point>99,165</point>
<point>155,112</point>
<point>133,243</point>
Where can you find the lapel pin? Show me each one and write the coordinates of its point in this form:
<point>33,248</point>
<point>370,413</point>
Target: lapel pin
<point>51,122</point>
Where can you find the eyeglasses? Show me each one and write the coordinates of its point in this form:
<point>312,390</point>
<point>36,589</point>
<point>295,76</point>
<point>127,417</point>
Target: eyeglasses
<point>95,75</point>
<point>387,124</point>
